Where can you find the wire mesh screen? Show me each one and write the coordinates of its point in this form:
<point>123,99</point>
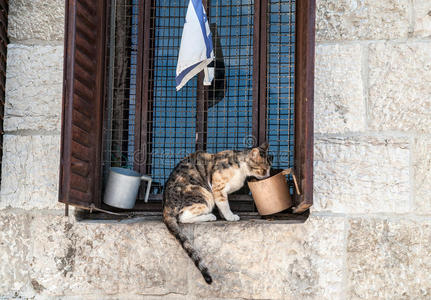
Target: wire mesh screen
<point>173,117</point>
<point>119,128</point>
<point>229,98</point>
<point>173,113</point>
<point>280,81</point>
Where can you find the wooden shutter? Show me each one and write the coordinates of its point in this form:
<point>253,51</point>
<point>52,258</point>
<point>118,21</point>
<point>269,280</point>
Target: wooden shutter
<point>82,103</point>
<point>3,55</point>
<point>304,99</point>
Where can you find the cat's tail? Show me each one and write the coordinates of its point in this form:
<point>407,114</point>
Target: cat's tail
<point>172,223</point>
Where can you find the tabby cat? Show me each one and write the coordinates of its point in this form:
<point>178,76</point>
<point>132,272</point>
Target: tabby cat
<point>203,180</point>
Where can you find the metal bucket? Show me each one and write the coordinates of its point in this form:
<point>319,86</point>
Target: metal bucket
<point>123,186</point>
<point>271,195</point>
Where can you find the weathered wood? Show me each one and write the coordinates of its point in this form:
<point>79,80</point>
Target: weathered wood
<point>201,106</point>
<point>256,71</point>
<point>141,216</point>
<point>263,65</point>
<point>304,99</point>
<point>83,92</point>
<point>4,5</point>
<point>201,113</point>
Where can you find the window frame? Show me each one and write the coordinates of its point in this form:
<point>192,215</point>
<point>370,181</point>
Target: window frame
<point>4,7</point>
<point>304,96</point>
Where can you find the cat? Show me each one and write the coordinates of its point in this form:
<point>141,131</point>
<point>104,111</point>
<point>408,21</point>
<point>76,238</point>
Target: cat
<point>202,181</point>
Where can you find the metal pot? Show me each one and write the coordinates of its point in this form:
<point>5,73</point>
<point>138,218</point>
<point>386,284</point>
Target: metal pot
<point>271,195</point>
<point>123,186</point>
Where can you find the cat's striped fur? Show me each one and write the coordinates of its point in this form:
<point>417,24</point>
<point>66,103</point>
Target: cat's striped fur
<point>202,181</point>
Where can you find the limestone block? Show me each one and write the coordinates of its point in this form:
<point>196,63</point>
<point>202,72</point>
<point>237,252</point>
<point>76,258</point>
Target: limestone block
<point>422,175</point>
<point>36,20</point>
<point>34,87</point>
<point>339,97</point>
<point>152,261</point>
<point>71,258</point>
<point>74,258</point>
<point>116,260</point>
<point>361,20</point>
<point>400,86</point>
<point>170,296</point>
<point>249,260</point>
<point>14,252</point>
<point>422,13</point>
<point>361,174</point>
<point>30,172</point>
<point>389,259</point>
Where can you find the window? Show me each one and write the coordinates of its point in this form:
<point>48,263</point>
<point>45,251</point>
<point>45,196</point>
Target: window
<point>3,56</point>
<point>121,109</point>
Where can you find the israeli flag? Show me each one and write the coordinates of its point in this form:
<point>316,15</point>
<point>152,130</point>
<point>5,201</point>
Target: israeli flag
<point>196,50</point>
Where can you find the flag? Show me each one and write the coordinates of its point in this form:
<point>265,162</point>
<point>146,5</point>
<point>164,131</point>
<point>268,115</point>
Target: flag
<point>196,50</point>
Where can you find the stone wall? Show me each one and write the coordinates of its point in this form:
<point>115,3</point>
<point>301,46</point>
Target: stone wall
<point>369,233</point>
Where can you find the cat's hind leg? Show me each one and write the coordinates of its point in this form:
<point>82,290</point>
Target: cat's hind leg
<point>196,213</point>
<point>200,203</point>
<point>185,218</point>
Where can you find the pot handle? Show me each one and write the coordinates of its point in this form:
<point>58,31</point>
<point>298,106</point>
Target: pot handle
<point>290,172</point>
<point>149,180</point>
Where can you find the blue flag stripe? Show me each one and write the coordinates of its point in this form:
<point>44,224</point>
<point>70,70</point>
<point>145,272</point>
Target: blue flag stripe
<point>199,9</point>
<point>180,77</point>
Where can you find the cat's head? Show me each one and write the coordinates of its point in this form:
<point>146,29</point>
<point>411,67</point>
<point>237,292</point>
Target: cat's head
<point>259,162</point>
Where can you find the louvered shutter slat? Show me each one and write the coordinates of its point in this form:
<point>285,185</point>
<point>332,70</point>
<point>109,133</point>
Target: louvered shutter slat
<point>82,103</point>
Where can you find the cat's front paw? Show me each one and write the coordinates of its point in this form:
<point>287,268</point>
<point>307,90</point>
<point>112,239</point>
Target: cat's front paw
<point>232,218</point>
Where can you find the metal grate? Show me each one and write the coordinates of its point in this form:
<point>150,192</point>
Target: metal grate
<point>119,127</point>
<point>229,122</point>
<point>281,81</point>
<point>212,118</point>
<point>228,101</point>
<point>173,113</point>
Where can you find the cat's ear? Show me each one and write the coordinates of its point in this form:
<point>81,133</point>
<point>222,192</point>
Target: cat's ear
<point>254,153</point>
<point>264,146</point>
